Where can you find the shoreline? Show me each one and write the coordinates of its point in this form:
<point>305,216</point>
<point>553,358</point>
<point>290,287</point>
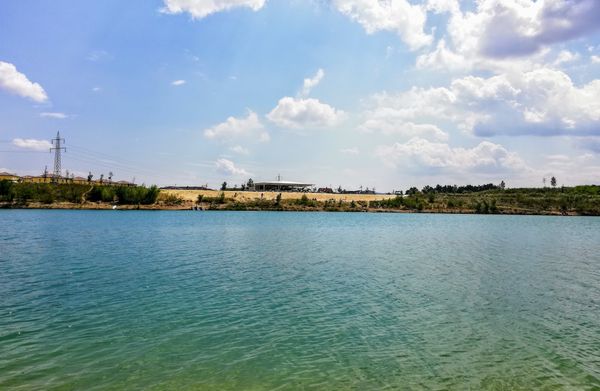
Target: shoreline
<point>559,202</point>
<point>227,207</point>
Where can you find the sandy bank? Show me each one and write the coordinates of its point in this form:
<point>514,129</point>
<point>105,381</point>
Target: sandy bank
<point>241,196</point>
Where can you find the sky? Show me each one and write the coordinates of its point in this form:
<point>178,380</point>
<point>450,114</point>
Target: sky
<point>385,94</point>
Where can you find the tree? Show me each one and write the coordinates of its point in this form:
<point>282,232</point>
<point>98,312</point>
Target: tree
<point>502,185</point>
<point>553,182</point>
<point>278,199</point>
<point>101,178</point>
<point>427,189</point>
<point>224,186</point>
<point>303,200</point>
<point>90,176</point>
<point>250,184</point>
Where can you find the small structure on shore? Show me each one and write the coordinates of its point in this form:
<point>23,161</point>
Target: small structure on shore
<point>279,185</point>
<point>7,176</point>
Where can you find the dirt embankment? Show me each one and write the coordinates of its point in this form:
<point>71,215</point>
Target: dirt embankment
<point>243,196</point>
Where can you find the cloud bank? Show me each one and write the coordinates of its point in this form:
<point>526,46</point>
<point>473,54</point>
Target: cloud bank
<point>235,128</point>
<point>32,144</point>
<point>15,82</point>
<point>199,9</point>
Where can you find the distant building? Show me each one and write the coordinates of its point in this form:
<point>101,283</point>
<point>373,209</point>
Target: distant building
<point>36,179</point>
<point>185,188</point>
<point>325,190</point>
<point>6,176</point>
<point>78,180</point>
<point>280,185</point>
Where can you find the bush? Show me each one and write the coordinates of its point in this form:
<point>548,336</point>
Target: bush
<point>172,199</point>
<point>6,191</point>
<point>304,201</point>
<point>137,195</point>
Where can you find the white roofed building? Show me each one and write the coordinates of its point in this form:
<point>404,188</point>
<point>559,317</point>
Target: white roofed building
<point>280,185</point>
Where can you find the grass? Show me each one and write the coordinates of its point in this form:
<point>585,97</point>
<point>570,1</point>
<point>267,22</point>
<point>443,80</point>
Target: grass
<point>580,200</point>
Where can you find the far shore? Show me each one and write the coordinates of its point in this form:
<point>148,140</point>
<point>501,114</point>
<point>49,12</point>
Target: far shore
<point>573,201</point>
<point>246,196</point>
<point>186,200</point>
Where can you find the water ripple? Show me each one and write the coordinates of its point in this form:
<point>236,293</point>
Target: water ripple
<point>279,301</point>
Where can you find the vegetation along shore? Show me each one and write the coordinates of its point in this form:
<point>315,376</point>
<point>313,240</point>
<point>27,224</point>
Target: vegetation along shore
<point>486,199</point>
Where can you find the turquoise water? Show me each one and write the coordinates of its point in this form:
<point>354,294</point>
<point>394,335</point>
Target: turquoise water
<point>94,300</point>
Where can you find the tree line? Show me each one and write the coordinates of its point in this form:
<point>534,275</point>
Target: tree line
<point>48,193</point>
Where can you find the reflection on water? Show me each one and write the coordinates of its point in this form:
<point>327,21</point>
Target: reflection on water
<point>226,300</point>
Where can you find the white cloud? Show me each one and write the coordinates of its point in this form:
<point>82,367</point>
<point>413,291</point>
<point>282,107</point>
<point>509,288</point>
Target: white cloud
<point>397,120</point>
<point>312,82</point>
<point>199,9</point>
<point>508,34</point>
<point>240,150</point>
<point>36,145</point>
<point>17,83</point>
<point>98,55</point>
<point>350,151</point>
<point>96,89</point>
<point>234,128</point>
<point>522,27</point>
<point>399,16</point>
<point>422,154</point>
<point>540,102</point>
<point>443,58</point>
<point>227,167</point>
<point>54,115</point>
<point>565,56</point>
<point>439,6</point>
<point>595,59</point>
<point>177,83</point>
<point>296,113</point>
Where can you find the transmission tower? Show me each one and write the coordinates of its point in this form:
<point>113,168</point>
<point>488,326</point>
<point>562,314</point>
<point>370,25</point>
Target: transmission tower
<point>57,148</point>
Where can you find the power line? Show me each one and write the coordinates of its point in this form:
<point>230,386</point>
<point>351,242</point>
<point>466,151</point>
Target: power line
<point>86,158</point>
<point>13,151</point>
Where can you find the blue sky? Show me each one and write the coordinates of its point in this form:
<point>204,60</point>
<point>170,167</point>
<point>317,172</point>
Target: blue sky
<point>386,94</point>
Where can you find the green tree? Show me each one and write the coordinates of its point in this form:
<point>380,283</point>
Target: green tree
<point>553,182</point>
<point>6,193</point>
<point>303,200</point>
<point>224,186</point>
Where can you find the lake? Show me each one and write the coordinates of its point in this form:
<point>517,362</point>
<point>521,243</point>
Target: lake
<point>95,300</point>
